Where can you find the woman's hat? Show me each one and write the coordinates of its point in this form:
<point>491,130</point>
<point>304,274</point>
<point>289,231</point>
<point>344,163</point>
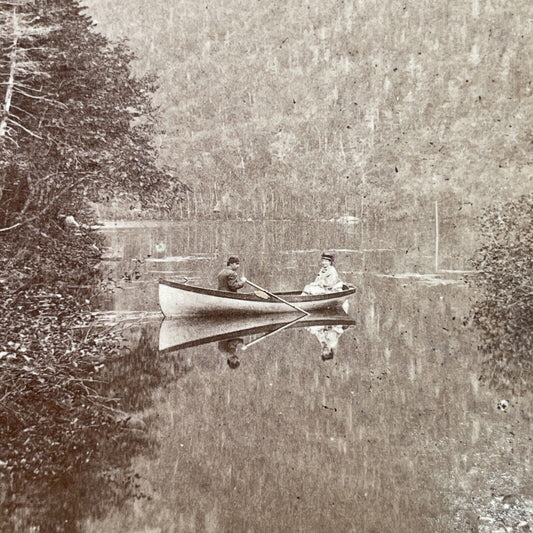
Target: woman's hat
<point>329,256</point>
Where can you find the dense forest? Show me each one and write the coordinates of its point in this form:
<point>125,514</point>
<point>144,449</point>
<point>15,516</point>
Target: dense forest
<point>67,105</point>
<point>336,107</point>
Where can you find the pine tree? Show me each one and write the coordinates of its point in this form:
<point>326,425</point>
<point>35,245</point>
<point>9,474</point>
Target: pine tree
<point>75,123</point>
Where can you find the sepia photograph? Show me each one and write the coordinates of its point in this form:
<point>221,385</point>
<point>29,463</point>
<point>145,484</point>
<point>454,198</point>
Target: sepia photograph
<point>266,266</point>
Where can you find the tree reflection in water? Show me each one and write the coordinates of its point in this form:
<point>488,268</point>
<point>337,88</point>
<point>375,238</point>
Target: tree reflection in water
<point>90,469</point>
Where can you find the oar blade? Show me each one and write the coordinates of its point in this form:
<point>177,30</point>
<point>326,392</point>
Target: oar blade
<point>262,294</point>
<point>275,296</point>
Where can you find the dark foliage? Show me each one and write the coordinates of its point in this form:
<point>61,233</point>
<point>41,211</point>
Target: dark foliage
<point>69,389</point>
<point>504,313</point>
<point>74,126</point>
<point>77,124</point>
<point>71,459</point>
<point>65,444</point>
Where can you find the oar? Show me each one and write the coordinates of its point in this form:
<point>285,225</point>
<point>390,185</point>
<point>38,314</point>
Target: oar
<point>277,297</point>
<point>277,330</point>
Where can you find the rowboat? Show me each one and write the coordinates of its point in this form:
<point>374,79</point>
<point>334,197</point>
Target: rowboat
<point>178,299</point>
<point>186,332</point>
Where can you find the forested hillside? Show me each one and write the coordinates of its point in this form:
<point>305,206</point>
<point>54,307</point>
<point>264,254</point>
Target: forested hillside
<point>326,108</point>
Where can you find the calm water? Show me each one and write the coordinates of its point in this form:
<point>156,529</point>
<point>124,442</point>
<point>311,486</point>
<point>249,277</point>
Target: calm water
<point>396,433</point>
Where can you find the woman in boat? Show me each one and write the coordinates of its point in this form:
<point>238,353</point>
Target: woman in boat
<point>227,277</point>
<point>327,279</point>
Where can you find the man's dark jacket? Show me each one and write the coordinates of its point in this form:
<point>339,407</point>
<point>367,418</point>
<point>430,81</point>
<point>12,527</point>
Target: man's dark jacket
<point>229,281</point>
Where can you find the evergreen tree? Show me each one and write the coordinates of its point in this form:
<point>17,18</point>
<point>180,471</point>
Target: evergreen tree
<point>75,123</point>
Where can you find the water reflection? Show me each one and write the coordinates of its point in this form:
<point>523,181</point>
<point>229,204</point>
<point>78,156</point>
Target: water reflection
<point>328,337</point>
<point>194,250</point>
<point>88,458</point>
<point>395,434</point>
<point>230,349</point>
<point>230,333</point>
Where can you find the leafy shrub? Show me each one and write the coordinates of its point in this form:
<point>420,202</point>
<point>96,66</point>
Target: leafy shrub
<point>504,312</point>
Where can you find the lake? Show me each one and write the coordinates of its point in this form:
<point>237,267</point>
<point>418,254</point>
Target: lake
<point>397,432</point>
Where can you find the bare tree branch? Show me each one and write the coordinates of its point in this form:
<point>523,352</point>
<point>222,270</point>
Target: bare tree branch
<point>16,88</point>
<point>18,84</point>
<point>14,3</point>
<point>43,98</point>
<point>11,121</point>
<point>17,225</point>
<point>23,111</point>
<point>7,137</point>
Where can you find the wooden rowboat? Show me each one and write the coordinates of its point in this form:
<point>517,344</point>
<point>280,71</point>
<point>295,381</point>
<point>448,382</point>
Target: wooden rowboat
<point>178,299</point>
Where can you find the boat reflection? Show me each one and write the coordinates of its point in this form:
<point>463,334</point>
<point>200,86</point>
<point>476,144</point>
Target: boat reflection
<point>231,333</point>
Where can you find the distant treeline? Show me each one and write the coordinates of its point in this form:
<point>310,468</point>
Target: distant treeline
<point>304,108</point>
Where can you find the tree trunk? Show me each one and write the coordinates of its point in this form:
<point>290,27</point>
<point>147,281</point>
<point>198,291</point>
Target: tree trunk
<point>11,80</point>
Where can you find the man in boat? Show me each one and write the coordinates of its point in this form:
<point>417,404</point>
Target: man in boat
<point>227,277</point>
<point>327,279</point>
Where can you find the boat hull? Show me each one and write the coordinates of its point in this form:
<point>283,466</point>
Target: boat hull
<point>177,299</point>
